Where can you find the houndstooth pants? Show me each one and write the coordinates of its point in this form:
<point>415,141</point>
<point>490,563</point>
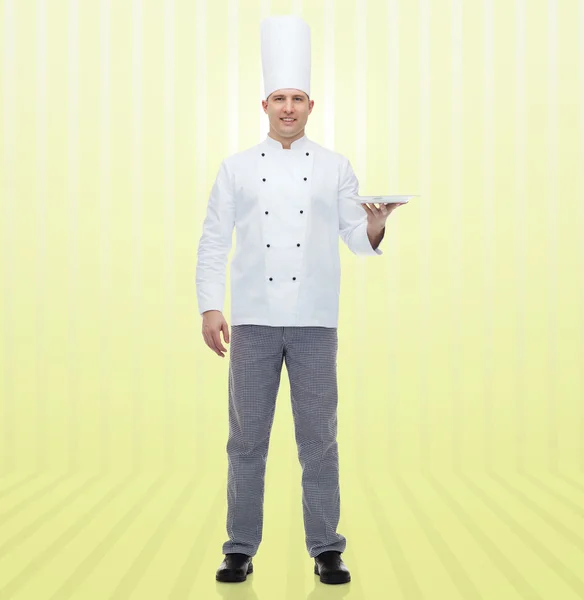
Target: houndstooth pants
<point>257,353</point>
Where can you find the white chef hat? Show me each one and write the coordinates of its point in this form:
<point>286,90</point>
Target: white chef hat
<point>285,43</point>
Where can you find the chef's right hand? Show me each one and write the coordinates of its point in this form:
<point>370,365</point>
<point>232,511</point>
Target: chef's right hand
<point>213,323</point>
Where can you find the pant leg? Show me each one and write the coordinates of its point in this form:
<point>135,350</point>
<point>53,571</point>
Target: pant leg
<point>255,367</point>
<point>311,361</point>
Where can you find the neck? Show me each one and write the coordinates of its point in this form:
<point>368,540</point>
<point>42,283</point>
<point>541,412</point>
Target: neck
<point>286,142</point>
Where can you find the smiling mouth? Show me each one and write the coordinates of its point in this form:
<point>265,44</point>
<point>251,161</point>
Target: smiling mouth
<point>287,121</point>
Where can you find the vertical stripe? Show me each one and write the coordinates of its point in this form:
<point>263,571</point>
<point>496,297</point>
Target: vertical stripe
<point>8,457</point>
<point>360,169</point>
<point>74,340</point>
<point>393,264</point>
<point>264,122</point>
<point>104,224</point>
<point>456,234</point>
<point>41,349</point>
<point>138,320</point>
<point>425,237</point>
<point>520,136</point>
<point>233,80</point>
<point>296,9</point>
<point>581,189</point>
<point>488,219</point>
<point>169,229</point>
<point>329,73</point>
<point>552,213</point>
<point>201,179</point>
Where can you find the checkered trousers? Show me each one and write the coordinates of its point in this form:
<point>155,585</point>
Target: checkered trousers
<point>257,353</point>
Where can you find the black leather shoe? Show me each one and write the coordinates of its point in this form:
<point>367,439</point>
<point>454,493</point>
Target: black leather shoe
<point>331,568</point>
<point>236,567</point>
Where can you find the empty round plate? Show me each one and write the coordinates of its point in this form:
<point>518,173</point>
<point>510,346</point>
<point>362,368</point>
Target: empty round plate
<point>384,199</point>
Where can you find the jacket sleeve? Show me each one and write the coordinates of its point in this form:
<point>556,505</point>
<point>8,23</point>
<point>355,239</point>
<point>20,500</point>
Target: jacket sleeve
<point>352,217</point>
<point>215,243</point>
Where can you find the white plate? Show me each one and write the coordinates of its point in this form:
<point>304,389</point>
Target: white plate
<point>383,199</point>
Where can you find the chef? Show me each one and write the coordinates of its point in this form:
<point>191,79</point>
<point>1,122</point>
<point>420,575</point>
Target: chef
<point>289,200</point>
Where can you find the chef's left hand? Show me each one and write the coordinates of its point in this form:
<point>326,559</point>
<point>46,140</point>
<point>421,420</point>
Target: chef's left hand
<point>378,216</point>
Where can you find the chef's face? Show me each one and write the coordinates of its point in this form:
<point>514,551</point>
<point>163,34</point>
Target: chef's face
<point>288,103</point>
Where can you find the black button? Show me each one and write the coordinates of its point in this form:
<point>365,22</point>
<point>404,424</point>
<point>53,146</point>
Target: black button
<point>268,245</point>
<point>263,154</point>
<point>294,278</point>
<point>304,179</point>
<point>301,211</point>
<point>298,244</point>
<point>270,279</point>
<point>307,153</point>
<point>263,179</point>
<point>266,212</point>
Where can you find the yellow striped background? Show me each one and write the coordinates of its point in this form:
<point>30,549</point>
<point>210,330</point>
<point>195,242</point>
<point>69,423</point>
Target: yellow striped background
<point>461,397</point>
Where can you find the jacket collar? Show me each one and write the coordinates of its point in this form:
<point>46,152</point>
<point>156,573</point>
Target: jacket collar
<point>296,145</point>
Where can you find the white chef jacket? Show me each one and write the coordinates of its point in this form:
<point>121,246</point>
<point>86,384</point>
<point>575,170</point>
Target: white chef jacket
<point>288,208</point>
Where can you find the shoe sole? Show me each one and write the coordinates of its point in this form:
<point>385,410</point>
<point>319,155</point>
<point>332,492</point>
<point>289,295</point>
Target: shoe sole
<point>333,578</point>
<point>231,577</point>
